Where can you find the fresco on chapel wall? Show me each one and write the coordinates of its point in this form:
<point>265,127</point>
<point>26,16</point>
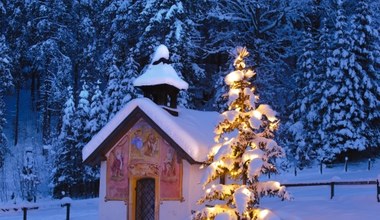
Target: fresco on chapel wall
<point>143,153</point>
<point>117,171</point>
<point>171,174</point>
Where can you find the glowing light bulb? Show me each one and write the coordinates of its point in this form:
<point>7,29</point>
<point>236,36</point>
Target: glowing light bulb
<point>263,213</point>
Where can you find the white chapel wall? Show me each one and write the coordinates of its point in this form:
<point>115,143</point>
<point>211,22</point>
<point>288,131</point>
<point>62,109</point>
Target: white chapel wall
<point>110,209</point>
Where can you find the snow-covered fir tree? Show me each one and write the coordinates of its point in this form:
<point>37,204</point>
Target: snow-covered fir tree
<point>343,119</point>
<point>71,177</point>
<point>85,177</point>
<point>3,138</point>
<point>365,46</point>
<point>5,83</point>
<point>98,113</point>
<point>48,58</point>
<point>300,128</point>
<point>221,89</point>
<point>112,95</point>
<point>129,73</point>
<point>244,151</point>
<point>62,180</point>
<point>262,26</point>
<point>82,115</point>
<point>117,29</point>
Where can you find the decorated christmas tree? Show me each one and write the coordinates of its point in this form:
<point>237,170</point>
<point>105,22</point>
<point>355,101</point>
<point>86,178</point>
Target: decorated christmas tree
<point>244,151</point>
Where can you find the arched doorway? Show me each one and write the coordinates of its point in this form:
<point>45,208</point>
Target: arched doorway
<point>145,199</point>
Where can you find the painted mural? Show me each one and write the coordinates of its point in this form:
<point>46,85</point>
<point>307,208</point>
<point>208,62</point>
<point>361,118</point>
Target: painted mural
<point>171,174</point>
<point>143,153</point>
<point>117,172</point>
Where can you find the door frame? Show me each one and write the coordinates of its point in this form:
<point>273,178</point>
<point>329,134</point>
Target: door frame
<point>132,196</point>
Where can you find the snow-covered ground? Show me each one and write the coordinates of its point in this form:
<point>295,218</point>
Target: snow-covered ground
<point>309,203</point>
<point>86,209</point>
<point>313,202</point>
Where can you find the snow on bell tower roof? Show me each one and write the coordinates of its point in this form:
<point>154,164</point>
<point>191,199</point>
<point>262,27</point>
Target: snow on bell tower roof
<point>160,71</point>
<point>161,52</point>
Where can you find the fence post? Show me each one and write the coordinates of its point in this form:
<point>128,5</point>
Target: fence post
<point>369,164</point>
<point>332,190</point>
<point>345,164</point>
<point>320,167</point>
<point>67,210</point>
<point>378,190</point>
<point>24,210</point>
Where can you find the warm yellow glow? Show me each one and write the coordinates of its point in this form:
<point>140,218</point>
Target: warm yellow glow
<point>246,191</point>
<point>273,126</point>
<point>257,114</point>
<point>263,213</point>
<point>234,77</point>
<point>217,164</point>
<point>246,214</point>
<point>234,92</point>
<point>215,149</point>
<point>208,190</point>
<point>250,157</point>
<point>277,185</point>
<point>249,73</point>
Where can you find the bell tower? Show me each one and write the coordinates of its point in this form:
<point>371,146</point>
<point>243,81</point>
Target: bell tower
<point>160,82</point>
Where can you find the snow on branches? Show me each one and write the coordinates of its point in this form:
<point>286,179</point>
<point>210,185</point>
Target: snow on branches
<point>244,151</point>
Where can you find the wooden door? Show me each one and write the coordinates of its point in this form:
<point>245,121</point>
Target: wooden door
<point>145,199</point>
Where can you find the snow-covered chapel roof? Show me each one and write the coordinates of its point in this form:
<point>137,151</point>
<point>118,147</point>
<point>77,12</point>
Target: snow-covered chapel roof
<point>192,131</point>
<point>160,72</point>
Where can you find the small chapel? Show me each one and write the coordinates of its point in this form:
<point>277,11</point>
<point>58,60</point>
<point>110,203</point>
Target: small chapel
<point>151,151</point>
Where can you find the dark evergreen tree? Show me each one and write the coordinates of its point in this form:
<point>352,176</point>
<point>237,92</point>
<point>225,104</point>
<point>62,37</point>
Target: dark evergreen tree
<point>264,27</point>
<point>128,75</point>
<point>169,22</point>
<point>84,41</point>
<point>300,127</point>
<point>62,175</point>
<point>5,84</point>
<point>113,97</point>
<point>98,113</point>
<point>365,46</point>
<point>84,177</point>
<point>50,61</point>
<point>70,176</point>
<point>343,118</point>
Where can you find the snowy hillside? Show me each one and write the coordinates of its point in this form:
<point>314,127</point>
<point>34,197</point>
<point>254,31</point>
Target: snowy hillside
<point>29,139</point>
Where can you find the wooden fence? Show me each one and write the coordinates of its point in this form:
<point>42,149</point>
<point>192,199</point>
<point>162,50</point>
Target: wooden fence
<point>25,209</point>
<point>337,183</point>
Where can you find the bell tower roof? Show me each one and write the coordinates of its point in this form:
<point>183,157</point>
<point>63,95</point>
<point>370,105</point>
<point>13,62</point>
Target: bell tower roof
<point>160,72</point>
<point>160,82</point>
